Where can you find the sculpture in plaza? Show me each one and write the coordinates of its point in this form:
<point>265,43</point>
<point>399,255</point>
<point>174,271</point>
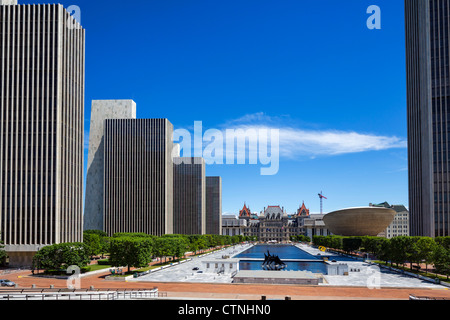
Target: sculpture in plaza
<point>272,262</point>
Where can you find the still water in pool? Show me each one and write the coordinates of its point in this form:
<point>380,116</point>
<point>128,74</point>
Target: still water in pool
<point>284,252</point>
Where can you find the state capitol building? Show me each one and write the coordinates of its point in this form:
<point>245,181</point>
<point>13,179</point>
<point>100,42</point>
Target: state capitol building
<point>274,224</point>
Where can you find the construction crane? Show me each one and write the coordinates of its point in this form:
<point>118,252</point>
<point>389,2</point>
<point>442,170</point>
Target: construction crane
<point>321,197</point>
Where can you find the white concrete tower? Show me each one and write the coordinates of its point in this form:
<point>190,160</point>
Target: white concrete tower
<point>100,111</point>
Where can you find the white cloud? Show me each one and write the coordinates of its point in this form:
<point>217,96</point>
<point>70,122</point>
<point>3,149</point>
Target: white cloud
<point>295,142</point>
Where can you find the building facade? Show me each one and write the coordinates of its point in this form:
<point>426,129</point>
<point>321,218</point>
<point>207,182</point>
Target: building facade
<point>138,181</point>
<point>313,225</point>
<point>133,183</point>
<point>273,224</point>
<point>42,63</point>
<point>400,224</point>
<point>189,200</point>
<point>233,226</point>
<point>100,111</point>
<point>213,205</point>
<point>428,107</point>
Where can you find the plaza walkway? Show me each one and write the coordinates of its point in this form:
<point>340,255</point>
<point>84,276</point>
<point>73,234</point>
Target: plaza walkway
<point>236,291</point>
<point>227,291</point>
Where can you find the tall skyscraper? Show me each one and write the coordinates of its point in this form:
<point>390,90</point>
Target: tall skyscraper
<point>428,112</point>
<point>189,195</point>
<point>138,176</point>
<point>100,111</point>
<point>213,205</point>
<point>41,128</point>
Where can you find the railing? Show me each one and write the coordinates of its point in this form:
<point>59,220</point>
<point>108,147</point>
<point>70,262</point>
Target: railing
<point>60,296</point>
<point>68,294</point>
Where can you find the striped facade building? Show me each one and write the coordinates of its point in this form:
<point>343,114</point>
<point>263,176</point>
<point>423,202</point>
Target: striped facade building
<point>138,176</point>
<point>41,128</point>
<point>213,205</point>
<point>427,28</point>
<point>189,195</point>
<point>137,181</point>
<point>100,111</point>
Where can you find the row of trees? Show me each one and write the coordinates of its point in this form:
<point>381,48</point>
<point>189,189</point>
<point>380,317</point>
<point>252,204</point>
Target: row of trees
<point>398,250</point>
<point>127,249</point>
<point>301,238</point>
<point>137,250</point>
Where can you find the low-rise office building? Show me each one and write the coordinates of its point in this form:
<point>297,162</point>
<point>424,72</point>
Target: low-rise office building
<point>400,225</point>
<point>233,226</point>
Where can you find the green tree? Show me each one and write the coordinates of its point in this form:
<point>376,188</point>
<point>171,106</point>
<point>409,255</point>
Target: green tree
<point>162,248</point>
<point>130,251</point>
<point>98,232</point>
<point>93,243</point>
<point>193,242</point>
<point>441,260</point>
<point>197,242</point>
<point>97,241</point>
<point>61,256</point>
<point>202,243</point>
<point>71,254</point>
<point>193,247</point>
<point>426,247</point>
<point>350,244</point>
<point>414,254</point>
<point>371,244</point>
<point>44,259</point>
<point>132,235</point>
<point>382,249</point>
<point>179,247</point>
<point>443,241</point>
<point>401,248</point>
<point>318,240</point>
<point>3,253</point>
<point>334,242</point>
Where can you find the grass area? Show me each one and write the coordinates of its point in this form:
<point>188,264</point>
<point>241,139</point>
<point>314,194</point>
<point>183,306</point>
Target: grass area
<point>155,266</point>
<point>422,273</point>
<point>89,268</point>
<point>95,267</point>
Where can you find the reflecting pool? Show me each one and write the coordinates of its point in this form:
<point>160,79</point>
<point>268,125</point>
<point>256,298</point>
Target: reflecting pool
<point>284,252</point>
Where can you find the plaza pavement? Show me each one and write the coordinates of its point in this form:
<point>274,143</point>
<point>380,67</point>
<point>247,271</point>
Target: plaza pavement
<point>184,272</point>
<point>363,274</point>
<point>368,274</point>
<point>352,287</point>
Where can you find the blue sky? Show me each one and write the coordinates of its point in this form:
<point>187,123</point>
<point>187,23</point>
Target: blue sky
<point>311,69</point>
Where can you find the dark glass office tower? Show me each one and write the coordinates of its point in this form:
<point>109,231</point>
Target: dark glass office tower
<point>428,113</point>
<point>138,176</point>
<point>41,128</point>
<point>213,205</point>
<point>189,196</point>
